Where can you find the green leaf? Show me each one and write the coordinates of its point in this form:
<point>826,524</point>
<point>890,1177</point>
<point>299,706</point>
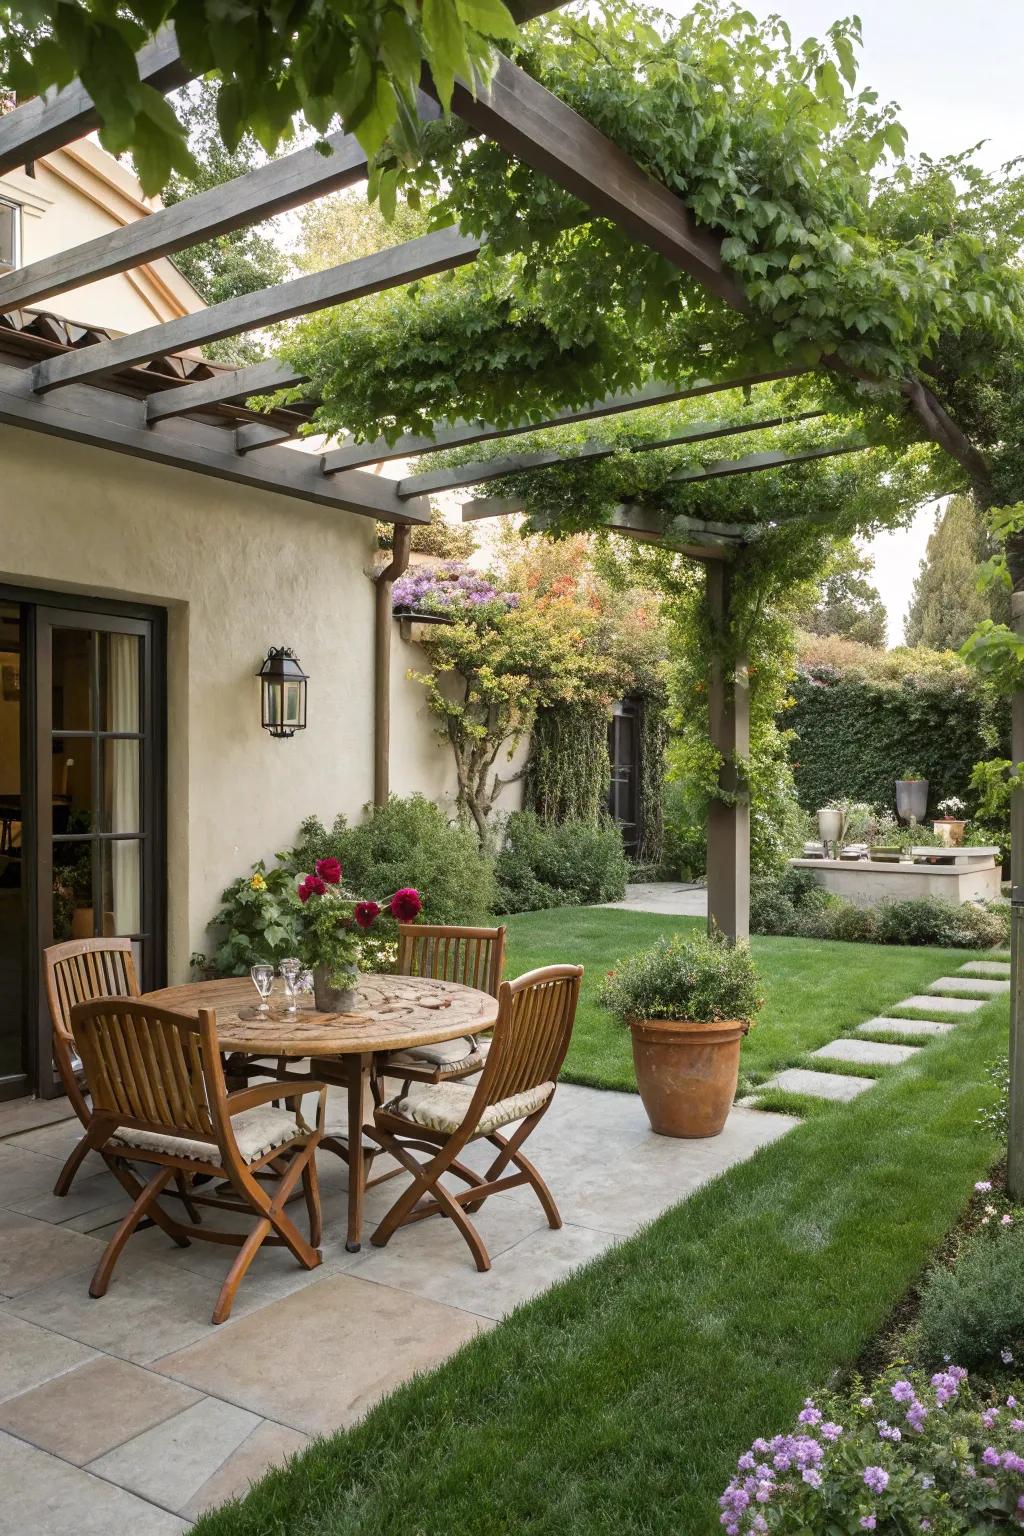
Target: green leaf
<point>490,17</point>
<point>446,46</point>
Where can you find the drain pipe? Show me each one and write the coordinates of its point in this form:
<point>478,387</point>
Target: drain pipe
<point>383,625</point>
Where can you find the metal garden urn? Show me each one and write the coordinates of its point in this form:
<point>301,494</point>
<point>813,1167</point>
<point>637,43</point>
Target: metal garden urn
<point>912,799</point>
<point>830,828</point>
<point>328,996</point>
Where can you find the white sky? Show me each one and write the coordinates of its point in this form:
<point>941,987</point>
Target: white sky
<point>954,68</point>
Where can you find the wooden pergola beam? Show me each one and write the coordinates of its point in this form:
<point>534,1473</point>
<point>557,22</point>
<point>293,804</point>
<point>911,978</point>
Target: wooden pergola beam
<point>223,388</point>
<point>353,455</point>
<point>268,190</point>
<point>512,464</point>
<point>105,418</point>
<point>536,127</point>
<point>437,252</point>
<point>753,463</point>
<point>58,118</point>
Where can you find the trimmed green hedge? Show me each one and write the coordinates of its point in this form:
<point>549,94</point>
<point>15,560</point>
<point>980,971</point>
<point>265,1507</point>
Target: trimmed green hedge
<point>855,736</point>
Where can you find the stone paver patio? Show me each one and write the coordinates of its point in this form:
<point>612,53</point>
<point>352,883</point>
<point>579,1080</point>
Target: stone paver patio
<point>672,898</point>
<point>131,1414</point>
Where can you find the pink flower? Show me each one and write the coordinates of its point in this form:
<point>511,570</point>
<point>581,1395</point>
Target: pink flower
<point>405,905</point>
<point>983,1186</point>
<point>329,870</point>
<point>365,913</point>
<point>313,885</point>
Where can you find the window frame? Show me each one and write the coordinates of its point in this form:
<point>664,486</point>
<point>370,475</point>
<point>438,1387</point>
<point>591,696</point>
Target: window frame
<point>15,263</point>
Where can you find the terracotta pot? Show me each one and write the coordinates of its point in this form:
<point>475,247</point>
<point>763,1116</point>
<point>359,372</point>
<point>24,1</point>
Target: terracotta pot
<point>950,830</point>
<point>687,1073</point>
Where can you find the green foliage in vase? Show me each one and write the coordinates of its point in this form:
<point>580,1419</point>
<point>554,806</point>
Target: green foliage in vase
<point>702,978</point>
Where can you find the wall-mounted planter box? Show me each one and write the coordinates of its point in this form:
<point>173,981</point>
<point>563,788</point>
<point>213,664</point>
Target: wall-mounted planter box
<point>408,618</point>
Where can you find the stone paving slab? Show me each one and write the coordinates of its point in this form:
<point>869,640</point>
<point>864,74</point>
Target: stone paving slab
<point>820,1085</point>
<point>970,984</point>
<point>873,1053</point>
<point>908,1027</point>
<point>929,1003</point>
<point>985,968</point>
<point>45,1496</point>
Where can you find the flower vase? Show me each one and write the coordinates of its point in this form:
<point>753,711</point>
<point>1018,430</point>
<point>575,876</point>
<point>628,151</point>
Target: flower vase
<point>329,997</point>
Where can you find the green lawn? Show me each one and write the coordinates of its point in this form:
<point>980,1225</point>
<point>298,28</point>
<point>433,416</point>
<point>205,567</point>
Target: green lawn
<point>813,991</point>
<point>616,1403</point>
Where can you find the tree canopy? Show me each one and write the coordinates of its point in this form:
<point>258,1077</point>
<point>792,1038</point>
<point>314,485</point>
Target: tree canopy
<point>947,604</point>
<point>848,602</point>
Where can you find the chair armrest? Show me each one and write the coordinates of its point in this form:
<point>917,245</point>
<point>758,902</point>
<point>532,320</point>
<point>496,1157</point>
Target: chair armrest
<point>266,1093</point>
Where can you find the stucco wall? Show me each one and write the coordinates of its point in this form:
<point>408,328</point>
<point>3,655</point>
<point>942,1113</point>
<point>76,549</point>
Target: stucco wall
<point>238,570</point>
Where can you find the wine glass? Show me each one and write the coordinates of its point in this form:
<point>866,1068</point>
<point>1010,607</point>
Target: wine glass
<point>290,968</point>
<point>262,974</point>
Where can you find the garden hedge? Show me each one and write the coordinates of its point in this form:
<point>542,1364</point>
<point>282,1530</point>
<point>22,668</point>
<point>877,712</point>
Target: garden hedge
<point>856,735</point>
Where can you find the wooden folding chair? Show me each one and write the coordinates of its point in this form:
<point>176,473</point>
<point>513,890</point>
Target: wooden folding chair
<point>158,1095</point>
<point>517,1084</point>
<point>473,956</point>
<point>76,972</point>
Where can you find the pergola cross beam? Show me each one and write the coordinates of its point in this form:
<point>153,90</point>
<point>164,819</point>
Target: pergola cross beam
<point>441,251</point>
<point>495,469</point>
<point>223,388</point>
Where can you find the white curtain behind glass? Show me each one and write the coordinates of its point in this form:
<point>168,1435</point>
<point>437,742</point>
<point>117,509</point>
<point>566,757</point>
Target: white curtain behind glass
<point>123,788</point>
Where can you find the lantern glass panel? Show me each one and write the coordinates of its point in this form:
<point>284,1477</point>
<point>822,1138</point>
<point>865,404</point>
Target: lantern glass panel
<point>292,713</point>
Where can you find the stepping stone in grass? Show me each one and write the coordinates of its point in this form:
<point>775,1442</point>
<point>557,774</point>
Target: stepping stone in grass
<point>969,984</point>
<point>985,968</point>
<point>819,1085</point>
<point>909,1027</point>
<point>872,1053</point>
<point>933,1004</point>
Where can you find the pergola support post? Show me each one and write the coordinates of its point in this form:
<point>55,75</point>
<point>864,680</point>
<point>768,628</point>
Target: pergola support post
<point>383,624</point>
<point>1015,1149</point>
<point>729,815</point>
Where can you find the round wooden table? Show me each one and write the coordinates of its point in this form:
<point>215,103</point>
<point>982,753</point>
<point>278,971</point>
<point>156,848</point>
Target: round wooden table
<point>392,1014</point>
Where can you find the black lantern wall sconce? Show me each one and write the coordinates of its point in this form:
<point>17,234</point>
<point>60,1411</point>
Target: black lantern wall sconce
<point>283,686</point>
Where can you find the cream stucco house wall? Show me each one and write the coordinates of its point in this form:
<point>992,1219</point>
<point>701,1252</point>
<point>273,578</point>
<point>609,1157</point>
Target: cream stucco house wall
<point>234,570</point>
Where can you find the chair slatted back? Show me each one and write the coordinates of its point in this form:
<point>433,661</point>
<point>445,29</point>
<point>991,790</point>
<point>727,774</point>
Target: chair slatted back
<point>473,956</point>
<point>149,1067</point>
<point>536,1013</point>
<point>83,969</point>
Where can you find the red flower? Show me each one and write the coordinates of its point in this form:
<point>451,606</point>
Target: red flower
<point>311,886</point>
<point>329,870</point>
<point>406,905</point>
<point>365,913</point>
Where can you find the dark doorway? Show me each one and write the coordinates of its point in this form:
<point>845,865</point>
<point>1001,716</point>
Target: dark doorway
<point>81,804</point>
<point>624,759</point>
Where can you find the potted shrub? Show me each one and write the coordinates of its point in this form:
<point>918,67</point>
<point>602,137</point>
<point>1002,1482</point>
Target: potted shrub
<point>330,922</point>
<point>912,797</point>
<point>950,825</point>
<point>688,1004</point>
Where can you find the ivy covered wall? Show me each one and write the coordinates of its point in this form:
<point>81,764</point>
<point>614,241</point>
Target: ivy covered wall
<point>855,735</point>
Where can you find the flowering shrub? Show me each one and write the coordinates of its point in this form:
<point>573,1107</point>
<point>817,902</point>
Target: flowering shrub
<point>330,919</point>
<point>453,589</point>
<point>255,921</point>
<point>701,978</point>
<point>914,1454</point>
<point>974,1312</point>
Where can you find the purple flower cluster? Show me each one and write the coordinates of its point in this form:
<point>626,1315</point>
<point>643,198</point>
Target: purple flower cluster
<point>795,1481</point>
<point>449,588</point>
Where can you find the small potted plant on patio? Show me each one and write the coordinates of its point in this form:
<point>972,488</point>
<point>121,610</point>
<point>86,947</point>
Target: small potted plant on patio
<point>330,923</point>
<point>688,1003</point>
<point>950,825</point>
<point>912,797</point>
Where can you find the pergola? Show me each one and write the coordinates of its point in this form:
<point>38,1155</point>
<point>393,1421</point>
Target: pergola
<point>149,395</point>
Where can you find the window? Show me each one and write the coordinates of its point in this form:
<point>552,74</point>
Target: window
<point>10,218</point>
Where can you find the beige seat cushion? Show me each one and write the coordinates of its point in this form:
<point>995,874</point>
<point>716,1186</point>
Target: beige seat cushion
<point>442,1107</point>
<point>462,1055</point>
<point>257,1131</point>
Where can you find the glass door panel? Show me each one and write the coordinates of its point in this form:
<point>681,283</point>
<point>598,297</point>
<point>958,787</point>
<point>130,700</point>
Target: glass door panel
<point>12,877</point>
<point>98,771</point>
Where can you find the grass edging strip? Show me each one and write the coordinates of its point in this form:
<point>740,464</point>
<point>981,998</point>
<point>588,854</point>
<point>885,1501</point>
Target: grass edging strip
<point>618,1400</point>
